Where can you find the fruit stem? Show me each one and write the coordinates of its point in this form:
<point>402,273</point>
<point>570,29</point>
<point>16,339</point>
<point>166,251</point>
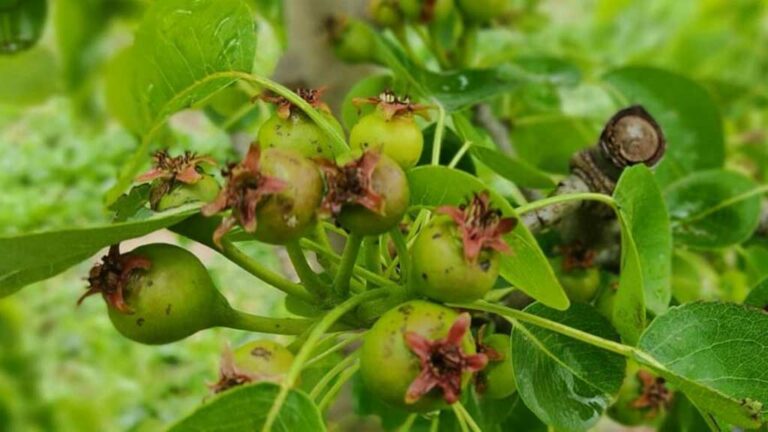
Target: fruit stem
<point>348,259</point>
<point>339,346</point>
<point>331,374</point>
<point>586,196</point>
<point>229,250</point>
<point>459,409</point>
<point>437,143</point>
<point>239,320</point>
<point>402,252</point>
<point>371,254</point>
<point>308,277</point>
<point>608,345</point>
<point>315,335</point>
<point>360,271</point>
<point>334,390</point>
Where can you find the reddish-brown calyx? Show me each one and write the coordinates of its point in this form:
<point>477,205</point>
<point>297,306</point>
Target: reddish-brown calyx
<point>246,187</point>
<point>577,256</point>
<point>493,356</point>
<point>230,375</point>
<point>392,106</point>
<point>655,394</point>
<point>481,225</point>
<point>110,277</point>
<point>351,184</point>
<point>170,171</point>
<point>286,108</point>
<point>443,362</point>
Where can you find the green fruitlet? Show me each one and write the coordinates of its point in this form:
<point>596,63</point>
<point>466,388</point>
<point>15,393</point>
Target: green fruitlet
<point>290,128</point>
<point>179,180</point>
<point>497,380</point>
<point>157,293</point>
<point>419,356</point>
<point>484,10</point>
<point>252,362</point>
<point>273,195</point>
<point>352,40</point>
<point>455,258</point>
<point>385,13</point>
<point>390,129</point>
<point>607,297</point>
<point>426,10</point>
<point>580,284</point>
<point>368,196</point>
<point>643,398</point>
<point>21,24</point>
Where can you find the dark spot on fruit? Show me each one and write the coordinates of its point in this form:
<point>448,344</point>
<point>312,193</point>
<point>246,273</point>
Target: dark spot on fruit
<point>405,309</point>
<point>424,276</point>
<point>436,236</point>
<point>485,265</point>
<point>150,283</point>
<point>448,270</point>
<point>168,309</point>
<point>262,353</point>
<point>365,145</point>
<point>140,322</point>
<point>319,149</point>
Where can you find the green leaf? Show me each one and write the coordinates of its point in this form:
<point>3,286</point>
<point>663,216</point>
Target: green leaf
<point>640,201</point>
<point>514,170</point>
<point>716,354</point>
<point>34,257</point>
<point>714,209</point>
<point>245,409</point>
<point>549,141</point>
<point>758,297</point>
<point>686,112</point>
<point>526,267</point>
<point>454,90</point>
<point>629,306</point>
<point>131,203</point>
<point>566,383</point>
<point>184,52</point>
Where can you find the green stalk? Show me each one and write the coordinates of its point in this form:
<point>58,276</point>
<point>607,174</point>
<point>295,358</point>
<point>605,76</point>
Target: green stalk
<point>330,375</point>
<point>229,250</point>
<point>335,258</point>
<point>239,320</point>
<point>409,421</point>
<point>348,260</point>
<point>460,418</point>
<point>308,277</point>
<point>586,196</point>
<point>437,143</point>
<point>315,335</point>
<point>334,390</point>
<point>467,418</point>
<point>608,345</point>
<point>402,252</point>
<point>371,254</point>
<point>339,346</point>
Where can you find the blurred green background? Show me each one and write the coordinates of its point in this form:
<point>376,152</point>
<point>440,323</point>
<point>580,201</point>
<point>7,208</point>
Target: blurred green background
<point>63,368</point>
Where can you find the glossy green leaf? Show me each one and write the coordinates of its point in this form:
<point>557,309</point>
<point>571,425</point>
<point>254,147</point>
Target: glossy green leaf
<point>715,354</point>
<point>714,209</point>
<point>33,257</point>
<point>566,383</point>
<point>686,112</point>
<point>514,170</point>
<point>245,409</point>
<point>642,204</point>
<point>526,267</point>
<point>629,305</point>
<point>183,53</point>
<point>758,297</point>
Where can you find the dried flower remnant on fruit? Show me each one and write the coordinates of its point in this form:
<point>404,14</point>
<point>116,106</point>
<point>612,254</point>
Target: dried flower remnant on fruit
<point>231,376</point>
<point>655,394</point>
<point>286,108</point>
<point>351,184</point>
<point>246,187</point>
<point>443,362</point>
<point>481,381</point>
<point>392,105</point>
<point>171,171</point>
<point>577,256</point>
<point>481,225</point>
<point>112,275</point>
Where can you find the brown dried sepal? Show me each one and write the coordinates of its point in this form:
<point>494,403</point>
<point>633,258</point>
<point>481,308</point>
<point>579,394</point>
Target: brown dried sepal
<point>351,184</point>
<point>230,376</point>
<point>246,187</point>
<point>171,171</point>
<point>481,226</point>
<point>443,362</point>
<point>655,395</point>
<point>286,108</point>
<point>393,106</point>
<point>110,277</point>
<point>577,256</point>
